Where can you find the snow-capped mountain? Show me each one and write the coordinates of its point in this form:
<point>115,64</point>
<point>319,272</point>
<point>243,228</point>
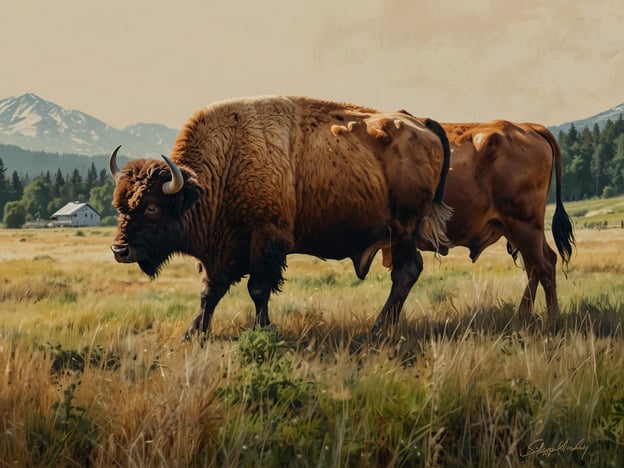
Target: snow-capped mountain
<point>155,133</point>
<point>601,119</point>
<point>33,123</point>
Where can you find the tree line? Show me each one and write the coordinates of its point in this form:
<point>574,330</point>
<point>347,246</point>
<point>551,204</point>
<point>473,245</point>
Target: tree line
<point>23,199</point>
<point>593,167</point>
<point>593,161</point>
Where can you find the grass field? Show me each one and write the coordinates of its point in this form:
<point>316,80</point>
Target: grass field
<point>92,372</point>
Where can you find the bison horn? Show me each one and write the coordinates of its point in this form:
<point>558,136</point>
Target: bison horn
<point>177,181</point>
<point>114,168</point>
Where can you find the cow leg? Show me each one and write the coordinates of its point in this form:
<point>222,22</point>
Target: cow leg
<point>549,283</point>
<point>407,264</point>
<point>268,261</point>
<point>211,294</point>
<point>540,262</point>
<point>525,309</point>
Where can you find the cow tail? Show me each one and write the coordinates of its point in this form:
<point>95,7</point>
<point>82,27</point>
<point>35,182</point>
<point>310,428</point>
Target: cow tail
<point>561,224</point>
<point>433,224</point>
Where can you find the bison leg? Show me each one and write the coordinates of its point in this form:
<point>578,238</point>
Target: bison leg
<point>211,294</point>
<point>407,264</point>
<point>260,292</point>
<point>268,261</point>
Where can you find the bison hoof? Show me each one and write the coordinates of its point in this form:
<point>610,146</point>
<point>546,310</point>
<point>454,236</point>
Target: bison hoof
<point>263,323</point>
<point>376,332</point>
<point>192,333</point>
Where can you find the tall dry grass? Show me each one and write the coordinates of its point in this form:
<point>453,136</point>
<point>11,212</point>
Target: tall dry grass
<point>92,372</point>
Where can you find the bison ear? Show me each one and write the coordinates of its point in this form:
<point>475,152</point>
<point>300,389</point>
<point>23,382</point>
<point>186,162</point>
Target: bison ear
<point>186,197</point>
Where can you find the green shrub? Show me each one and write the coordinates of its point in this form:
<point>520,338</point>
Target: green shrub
<point>66,433</point>
<point>14,215</point>
<point>109,221</point>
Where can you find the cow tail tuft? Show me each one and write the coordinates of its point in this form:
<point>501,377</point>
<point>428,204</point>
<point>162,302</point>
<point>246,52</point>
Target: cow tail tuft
<point>563,234</point>
<point>562,228</point>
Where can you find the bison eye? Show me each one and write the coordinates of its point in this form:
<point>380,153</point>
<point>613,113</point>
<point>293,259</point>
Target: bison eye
<point>152,211</point>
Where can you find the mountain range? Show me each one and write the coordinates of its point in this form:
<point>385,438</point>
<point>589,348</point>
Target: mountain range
<point>32,123</point>
<point>601,119</point>
<point>35,124</point>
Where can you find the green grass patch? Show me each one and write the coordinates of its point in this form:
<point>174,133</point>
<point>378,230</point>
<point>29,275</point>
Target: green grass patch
<point>93,373</point>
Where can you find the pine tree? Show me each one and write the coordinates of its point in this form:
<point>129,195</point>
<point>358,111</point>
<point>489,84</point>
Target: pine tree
<point>103,178</point>
<point>618,127</point>
<point>573,137</point>
<point>569,143</point>
<point>91,181</point>
<point>603,155</point>
<point>17,187</point>
<point>59,185</point>
<point>5,193</point>
<point>617,166</point>
<point>76,189</point>
<point>596,135</point>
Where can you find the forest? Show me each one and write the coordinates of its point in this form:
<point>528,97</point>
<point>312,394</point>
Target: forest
<point>593,167</point>
<point>23,199</point>
<point>593,161</point>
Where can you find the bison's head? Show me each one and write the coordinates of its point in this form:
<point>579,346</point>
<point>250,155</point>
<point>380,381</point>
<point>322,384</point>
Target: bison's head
<point>151,197</point>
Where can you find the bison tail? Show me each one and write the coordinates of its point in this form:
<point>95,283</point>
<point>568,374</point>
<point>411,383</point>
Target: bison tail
<point>433,225</point>
<point>436,128</point>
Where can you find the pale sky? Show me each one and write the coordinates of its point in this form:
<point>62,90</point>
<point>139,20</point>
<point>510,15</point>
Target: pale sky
<point>129,61</point>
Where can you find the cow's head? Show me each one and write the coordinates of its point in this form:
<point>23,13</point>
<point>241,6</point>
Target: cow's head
<point>151,197</point>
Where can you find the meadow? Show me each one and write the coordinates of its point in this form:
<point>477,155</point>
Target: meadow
<point>92,372</point>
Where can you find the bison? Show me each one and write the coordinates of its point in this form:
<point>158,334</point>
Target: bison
<point>498,185</point>
<point>251,180</point>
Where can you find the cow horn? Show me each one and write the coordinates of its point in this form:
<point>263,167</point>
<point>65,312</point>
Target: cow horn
<point>177,181</point>
<point>114,168</point>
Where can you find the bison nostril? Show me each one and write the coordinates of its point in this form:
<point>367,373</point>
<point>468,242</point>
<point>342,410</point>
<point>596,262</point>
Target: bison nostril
<point>121,252</point>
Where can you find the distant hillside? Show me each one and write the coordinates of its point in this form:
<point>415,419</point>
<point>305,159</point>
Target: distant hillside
<point>33,123</point>
<point>57,137</point>
<point>34,163</point>
<point>601,119</point>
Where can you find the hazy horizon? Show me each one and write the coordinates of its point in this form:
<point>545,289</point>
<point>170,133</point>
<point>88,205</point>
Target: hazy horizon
<point>130,62</point>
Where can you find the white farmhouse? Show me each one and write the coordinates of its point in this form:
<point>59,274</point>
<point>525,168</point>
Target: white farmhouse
<point>76,214</point>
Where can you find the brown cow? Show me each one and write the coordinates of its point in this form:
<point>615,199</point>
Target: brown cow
<point>251,180</point>
<point>498,186</point>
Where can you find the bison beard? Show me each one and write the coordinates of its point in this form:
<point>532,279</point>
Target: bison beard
<point>252,180</point>
<point>152,267</point>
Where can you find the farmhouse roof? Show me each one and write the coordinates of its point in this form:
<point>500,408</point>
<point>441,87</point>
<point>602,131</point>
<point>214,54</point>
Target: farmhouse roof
<point>71,208</point>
